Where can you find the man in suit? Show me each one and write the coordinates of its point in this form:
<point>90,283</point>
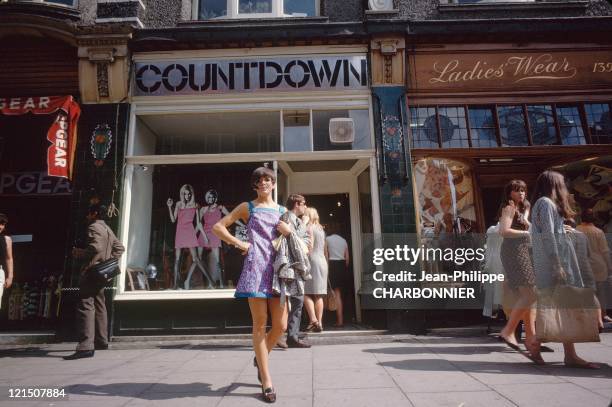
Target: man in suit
<point>91,318</point>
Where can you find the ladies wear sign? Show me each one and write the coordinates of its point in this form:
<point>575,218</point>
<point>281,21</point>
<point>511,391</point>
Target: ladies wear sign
<point>61,134</point>
<point>516,70</point>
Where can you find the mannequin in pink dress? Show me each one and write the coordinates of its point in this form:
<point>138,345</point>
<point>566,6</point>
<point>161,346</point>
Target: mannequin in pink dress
<point>208,243</point>
<point>184,213</point>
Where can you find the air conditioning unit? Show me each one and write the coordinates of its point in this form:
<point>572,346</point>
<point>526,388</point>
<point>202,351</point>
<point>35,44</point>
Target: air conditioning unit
<point>341,130</point>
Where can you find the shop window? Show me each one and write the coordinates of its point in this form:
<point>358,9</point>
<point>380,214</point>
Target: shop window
<point>179,253</point>
<point>453,127</point>
<point>570,125</point>
<point>512,126</point>
<point>542,124</point>
<point>213,9</point>
<point>482,127</point>
<point>324,140</point>
<point>423,127</point>
<point>212,133</point>
<point>445,197</point>
<point>599,120</point>
<point>296,131</point>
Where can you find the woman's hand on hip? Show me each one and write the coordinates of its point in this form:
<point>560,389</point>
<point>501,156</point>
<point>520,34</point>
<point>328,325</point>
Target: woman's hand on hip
<point>243,247</point>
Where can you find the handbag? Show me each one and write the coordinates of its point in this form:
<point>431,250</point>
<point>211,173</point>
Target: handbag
<point>567,314</point>
<point>104,271</point>
<point>330,302</point>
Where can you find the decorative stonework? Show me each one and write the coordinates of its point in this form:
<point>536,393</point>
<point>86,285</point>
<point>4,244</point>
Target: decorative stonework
<point>388,61</point>
<point>103,63</point>
<point>102,71</point>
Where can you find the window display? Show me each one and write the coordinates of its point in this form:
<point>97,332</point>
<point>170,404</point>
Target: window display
<point>185,211</point>
<point>445,196</point>
<point>175,237</point>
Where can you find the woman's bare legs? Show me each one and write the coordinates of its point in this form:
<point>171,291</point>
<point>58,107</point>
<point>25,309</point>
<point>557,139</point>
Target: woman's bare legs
<point>318,307</point>
<point>259,315</point>
<point>571,358</point>
<point>214,268</point>
<point>196,263</point>
<point>339,311</point>
<point>177,263</point>
<point>520,310</point>
<point>278,312</point>
<point>310,309</point>
<point>262,342</point>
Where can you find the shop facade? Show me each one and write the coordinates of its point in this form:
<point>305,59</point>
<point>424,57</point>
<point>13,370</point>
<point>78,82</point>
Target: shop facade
<point>489,113</point>
<point>201,121</point>
<point>60,147</point>
<point>483,102</point>
<point>39,114</point>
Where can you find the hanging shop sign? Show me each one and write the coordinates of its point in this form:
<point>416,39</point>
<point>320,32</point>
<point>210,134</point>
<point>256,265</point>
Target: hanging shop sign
<point>61,134</point>
<point>32,183</point>
<point>516,70</point>
<point>214,76</point>
<point>100,143</point>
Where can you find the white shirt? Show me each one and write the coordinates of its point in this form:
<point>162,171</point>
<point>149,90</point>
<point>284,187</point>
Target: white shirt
<point>336,246</point>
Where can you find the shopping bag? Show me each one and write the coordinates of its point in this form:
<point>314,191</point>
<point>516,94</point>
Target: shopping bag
<point>567,314</point>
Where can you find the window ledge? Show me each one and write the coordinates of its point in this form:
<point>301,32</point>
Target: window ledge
<point>175,295</point>
<point>513,6</point>
<point>232,22</point>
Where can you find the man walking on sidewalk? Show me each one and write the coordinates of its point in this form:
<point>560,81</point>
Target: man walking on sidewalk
<point>296,204</point>
<point>92,320</point>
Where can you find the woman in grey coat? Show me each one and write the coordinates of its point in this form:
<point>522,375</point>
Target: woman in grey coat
<point>554,256</point>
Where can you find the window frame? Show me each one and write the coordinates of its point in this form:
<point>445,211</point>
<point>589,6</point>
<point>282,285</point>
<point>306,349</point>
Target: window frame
<point>232,11</point>
<point>580,105</point>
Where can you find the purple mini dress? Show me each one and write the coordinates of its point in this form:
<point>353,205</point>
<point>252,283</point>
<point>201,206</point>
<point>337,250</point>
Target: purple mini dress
<point>258,270</point>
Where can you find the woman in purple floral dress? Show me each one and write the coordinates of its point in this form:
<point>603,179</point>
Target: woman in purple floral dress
<point>263,223</point>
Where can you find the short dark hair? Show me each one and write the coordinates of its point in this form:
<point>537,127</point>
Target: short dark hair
<point>570,222</point>
<point>260,173</point>
<point>588,216</point>
<point>293,200</point>
<point>98,209</point>
<point>3,219</point>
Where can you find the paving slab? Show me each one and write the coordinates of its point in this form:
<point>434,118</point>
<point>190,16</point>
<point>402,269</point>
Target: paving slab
<point>554,394</point>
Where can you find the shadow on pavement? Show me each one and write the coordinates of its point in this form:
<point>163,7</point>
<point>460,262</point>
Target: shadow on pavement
<point>158,391</point>
<point>438,365</point>
<point>32,352</point>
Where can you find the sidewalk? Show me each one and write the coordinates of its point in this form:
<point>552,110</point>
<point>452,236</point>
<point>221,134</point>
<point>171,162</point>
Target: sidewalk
<point>411,371</point>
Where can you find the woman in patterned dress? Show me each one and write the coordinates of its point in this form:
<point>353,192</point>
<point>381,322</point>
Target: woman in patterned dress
<point>262,216</point>
<point>518,269</point>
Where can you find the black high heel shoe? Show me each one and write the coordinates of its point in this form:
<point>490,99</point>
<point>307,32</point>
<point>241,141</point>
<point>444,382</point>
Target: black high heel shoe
<point>269,395</point>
